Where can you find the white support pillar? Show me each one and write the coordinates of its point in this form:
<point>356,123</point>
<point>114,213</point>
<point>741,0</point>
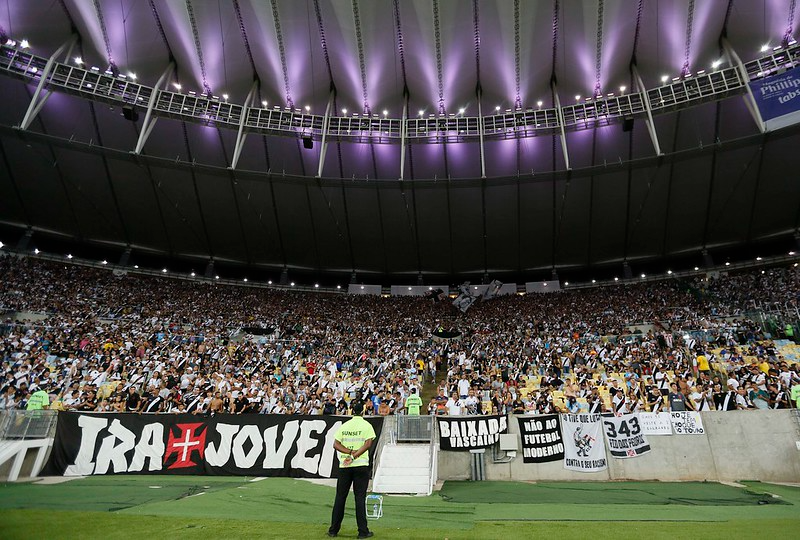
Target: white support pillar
<point>149,119</point>
<point>651,127</point>
<point>241,136</point>
<point>326,121</point>
<point>749,100</point>
<point>36,103</point>
<point>403,133</point>
<point>480,136</point>
<point>41,454</point>
<point>19,459</point>
<point>561,124</point>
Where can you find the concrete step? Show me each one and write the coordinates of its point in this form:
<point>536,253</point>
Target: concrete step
<point>403,480</point>
<point>387,470</point>
<point>401,489</point>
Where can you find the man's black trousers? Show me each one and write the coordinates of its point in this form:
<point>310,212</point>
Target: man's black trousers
<point>359,478</point>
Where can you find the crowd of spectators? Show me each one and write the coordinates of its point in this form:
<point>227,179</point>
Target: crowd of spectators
<point>112,341</point>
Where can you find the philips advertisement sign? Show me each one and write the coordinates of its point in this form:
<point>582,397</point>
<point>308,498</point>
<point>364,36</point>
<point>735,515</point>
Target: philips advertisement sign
<point>778,98</point>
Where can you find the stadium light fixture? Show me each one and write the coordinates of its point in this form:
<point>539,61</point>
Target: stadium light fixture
<point>616,278</point>
<point>791,253</point>
<point>35,251</point>
<point>132,76</point>
<point>292,283</point>
<point>24,44</point>
<point>1,245</point>
<point>727,263</point>
<point>462,110</point>
<point>385,112</point>
<point>497,108</point>
<point>344,111</point>
<point>104,262</point>
<point>623,88</point>
<point>410,288</point>
<point>664,78</point>
<point>192,274</point>
<point>69,255</point>
<point>643,276</point>
<point>566,283</point>
<point>362,287</point>
<point>316,285</point>
<point>245,280</point>
<point>539,103</point>
<point>716,63</point>
<point>421,112</point>
<point>594,281</point>
<point>264,104</point>
<point>136,266</point>
<point>758,258</point>
<point>216,277</point>
<point>696,268</point>
<point>338,286</point>
<point>269,282</point>
<point>78,61</point>
<point>177,86</point>
<point>669,272</point>
<point>764,48</point>
<point>225,97</point>
<point>577,97</point>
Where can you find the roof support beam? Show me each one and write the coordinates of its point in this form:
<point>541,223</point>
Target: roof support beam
<point>749,100</point>
<point>149,119</point>
<point>560,113</point>
<point>241,136</point>
<point>326,121</point>
<point>651,127</point>
<point>38,100</point>
<point>480,134</point>
<point>403,132</point>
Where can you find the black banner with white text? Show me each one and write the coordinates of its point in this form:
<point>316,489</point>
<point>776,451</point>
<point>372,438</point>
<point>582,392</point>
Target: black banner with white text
<point>470,432</point>
<point>224,444</point>
<point>541,438</point>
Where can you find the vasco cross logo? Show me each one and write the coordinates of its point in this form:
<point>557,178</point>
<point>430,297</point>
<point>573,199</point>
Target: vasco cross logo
<point>192,438</point>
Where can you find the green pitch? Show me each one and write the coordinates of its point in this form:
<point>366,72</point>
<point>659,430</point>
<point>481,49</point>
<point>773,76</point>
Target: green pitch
<point>205,507</point>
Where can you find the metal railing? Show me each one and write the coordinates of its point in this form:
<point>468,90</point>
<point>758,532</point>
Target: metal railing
<point>414,428</point>
<point>25,425</point>
<point>91,83</point>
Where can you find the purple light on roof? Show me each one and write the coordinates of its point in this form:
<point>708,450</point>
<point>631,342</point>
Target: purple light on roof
<point>672,24</point>
<point>706,17</point>
<point>179,34</point>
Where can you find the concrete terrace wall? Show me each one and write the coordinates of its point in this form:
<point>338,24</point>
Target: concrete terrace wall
<point>737,445</point>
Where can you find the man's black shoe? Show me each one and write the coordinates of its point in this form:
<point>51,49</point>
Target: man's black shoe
<point>368,535</point>
<point>332,534</point>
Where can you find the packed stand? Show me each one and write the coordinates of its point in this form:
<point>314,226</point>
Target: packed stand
<point>126,343</point>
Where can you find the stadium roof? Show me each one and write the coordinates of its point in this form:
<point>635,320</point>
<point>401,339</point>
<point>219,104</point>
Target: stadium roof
<point>524,185</point>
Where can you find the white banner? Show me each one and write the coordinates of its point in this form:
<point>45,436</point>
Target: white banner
<point>625,436</point>
<point>656,423</point>
<point>584,450</point>
<point>687,423</point>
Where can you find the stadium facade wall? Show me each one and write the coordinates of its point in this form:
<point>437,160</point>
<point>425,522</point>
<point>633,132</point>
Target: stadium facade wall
<point>737,445</point>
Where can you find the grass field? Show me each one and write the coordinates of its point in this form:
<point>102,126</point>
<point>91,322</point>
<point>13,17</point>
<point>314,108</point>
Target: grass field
<point>283,508</point>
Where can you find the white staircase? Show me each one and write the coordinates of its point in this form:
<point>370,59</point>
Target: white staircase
<point>406,468</point>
